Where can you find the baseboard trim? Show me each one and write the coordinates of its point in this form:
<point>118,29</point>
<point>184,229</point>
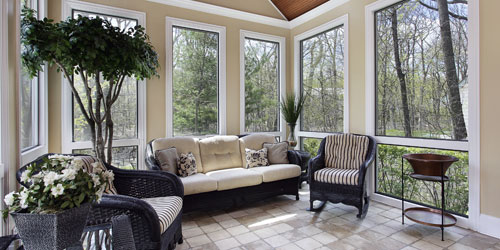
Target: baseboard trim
<point>489,225</point>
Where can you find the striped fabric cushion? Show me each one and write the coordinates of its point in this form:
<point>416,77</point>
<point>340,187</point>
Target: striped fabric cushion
<point>337,176</point>
<point>345,151</point>
<point>167,208</point>
<point>87,165</point>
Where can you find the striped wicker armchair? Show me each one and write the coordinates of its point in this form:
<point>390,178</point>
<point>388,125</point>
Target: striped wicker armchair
<point>337,173</point>
<point>151,200</point>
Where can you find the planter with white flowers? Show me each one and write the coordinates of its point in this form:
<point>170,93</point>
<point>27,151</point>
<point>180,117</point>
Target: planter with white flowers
<point>50,213</point>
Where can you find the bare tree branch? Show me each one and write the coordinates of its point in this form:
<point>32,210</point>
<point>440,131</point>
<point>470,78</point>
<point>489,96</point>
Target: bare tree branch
<point>451,13</point>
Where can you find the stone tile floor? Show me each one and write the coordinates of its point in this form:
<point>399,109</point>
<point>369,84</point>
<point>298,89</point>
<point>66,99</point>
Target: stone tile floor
<point>283,223</point>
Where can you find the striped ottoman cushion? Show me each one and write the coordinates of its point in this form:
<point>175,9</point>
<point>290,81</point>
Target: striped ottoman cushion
<point>167,209</point>
<point>337,176</point>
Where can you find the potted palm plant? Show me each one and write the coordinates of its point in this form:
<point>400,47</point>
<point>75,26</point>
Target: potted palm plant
<point>291,107</point>
<point>50,212</point>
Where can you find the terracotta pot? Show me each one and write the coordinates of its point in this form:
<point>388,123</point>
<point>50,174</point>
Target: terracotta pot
<point>429,164</point>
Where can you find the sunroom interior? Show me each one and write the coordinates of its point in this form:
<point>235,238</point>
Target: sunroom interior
<point>416,76</point>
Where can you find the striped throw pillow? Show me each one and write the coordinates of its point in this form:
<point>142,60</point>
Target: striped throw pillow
<point>345,151</point>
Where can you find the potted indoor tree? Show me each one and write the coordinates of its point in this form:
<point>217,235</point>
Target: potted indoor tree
<point>101,55</point>
<point>50,212</point>
<point>291,107</point>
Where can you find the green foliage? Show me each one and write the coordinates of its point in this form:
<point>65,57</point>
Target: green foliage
<point>58,183</point>
<point>84,44</point>
<point>195,82</point>
<point>311,145</point>
<point>291,107</point>
<point>389,178</point>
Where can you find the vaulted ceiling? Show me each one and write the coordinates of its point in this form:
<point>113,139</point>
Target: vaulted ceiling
<point>281,9</point>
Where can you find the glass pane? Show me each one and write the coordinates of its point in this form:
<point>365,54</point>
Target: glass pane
<point>123,157</point>
<point>124,110</point>
<point>388,181</point>
<point>422,78</point>
<point>310,145</point>
<point>322,81</point>
<point>195,81</point>
<point>261,86</point>
<point>28,101</point>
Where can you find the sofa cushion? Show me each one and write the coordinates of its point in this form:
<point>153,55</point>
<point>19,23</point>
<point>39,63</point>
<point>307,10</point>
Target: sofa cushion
<point>337,176</point>
<point>277,153</point>
<point>198,183</point>
<point>183,145</point>
<point>254,141</point>
<point>256,158</point>
<point>167,208</point>
<point>235,178</point>
<point>167,159</point>
<point>278,172</point>
<point>220,152</point>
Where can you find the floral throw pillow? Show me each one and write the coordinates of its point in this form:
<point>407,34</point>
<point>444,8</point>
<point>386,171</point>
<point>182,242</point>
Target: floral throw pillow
<point>186,165</point>
<point>256,158</point>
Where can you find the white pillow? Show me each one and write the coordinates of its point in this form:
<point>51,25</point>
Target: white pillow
<point>256,158</point>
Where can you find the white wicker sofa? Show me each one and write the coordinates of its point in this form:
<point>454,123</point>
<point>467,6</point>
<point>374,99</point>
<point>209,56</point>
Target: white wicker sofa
<point>222,181</point>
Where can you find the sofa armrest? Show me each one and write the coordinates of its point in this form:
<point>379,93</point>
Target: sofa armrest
<point>294,157</point>
<point>151,161</point>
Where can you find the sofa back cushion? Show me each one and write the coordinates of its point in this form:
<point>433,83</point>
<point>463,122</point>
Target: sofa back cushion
<point>254,142</point>
<point>183,145</point>
<point>220,152</point>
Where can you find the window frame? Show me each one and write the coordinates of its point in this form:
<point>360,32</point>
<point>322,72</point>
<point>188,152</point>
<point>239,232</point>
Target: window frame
<point>68,145</point>
<point>41,101</point>
<point>171,22</point>
<point>340,21</point>
<point>244,34</point>
<point>471,145</point>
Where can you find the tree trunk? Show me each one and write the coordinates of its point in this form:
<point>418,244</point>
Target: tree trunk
<point>401,76</point>
<point>457,116</point>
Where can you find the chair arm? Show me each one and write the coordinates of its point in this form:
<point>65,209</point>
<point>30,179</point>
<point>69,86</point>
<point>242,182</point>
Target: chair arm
<point>370,159</point>
<point>315,164</point>
<point>144,220</point>
<point>147,184</point>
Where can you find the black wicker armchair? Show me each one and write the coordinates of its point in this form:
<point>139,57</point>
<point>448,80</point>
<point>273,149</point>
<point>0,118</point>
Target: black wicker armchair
<point>133,186</point>
<point>333,178</point>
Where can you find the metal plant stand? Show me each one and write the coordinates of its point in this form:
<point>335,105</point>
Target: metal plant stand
<point>423,215</point>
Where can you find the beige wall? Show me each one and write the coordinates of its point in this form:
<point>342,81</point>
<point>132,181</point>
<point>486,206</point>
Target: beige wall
<point>155,26</point>
<point>490,88</point>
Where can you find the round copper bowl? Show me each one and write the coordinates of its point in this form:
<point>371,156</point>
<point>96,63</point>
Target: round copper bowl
<point>429,164</point>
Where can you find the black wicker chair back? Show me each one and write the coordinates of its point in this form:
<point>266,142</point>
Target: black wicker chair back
<point>354,195</point>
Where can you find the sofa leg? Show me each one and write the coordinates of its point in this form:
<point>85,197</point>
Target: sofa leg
<point>297,197</point>
<point>180,241</point>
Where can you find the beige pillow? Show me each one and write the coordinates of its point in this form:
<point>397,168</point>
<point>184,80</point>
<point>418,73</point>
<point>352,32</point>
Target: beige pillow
<point>256,158</point>
<point>167,159</point>
<point>277,153</point>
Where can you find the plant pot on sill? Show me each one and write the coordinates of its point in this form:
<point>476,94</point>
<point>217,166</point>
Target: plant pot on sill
<point>51,231</point>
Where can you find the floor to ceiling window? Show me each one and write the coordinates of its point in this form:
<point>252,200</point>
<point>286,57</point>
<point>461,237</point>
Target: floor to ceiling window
<point>129,110</point>
<point>195,78</point>
<point>262,76</point>
<point>421,96</point>
<point>321,66</point>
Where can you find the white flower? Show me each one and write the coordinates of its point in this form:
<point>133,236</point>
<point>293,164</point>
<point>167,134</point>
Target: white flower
<point>57,190</point>
<point>50,177</point>
<point>77,164</point>
<point>99,193</point>
<point>97,167</point>
<point>24,176</point>
<point>9,199</point>
<point>109,175</point>
<point>68,174</point>
<point>96,180</point>
<point>23,199</point>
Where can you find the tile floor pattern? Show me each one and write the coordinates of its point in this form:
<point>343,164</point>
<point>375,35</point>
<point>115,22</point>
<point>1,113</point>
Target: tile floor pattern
<point>283,223</point>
